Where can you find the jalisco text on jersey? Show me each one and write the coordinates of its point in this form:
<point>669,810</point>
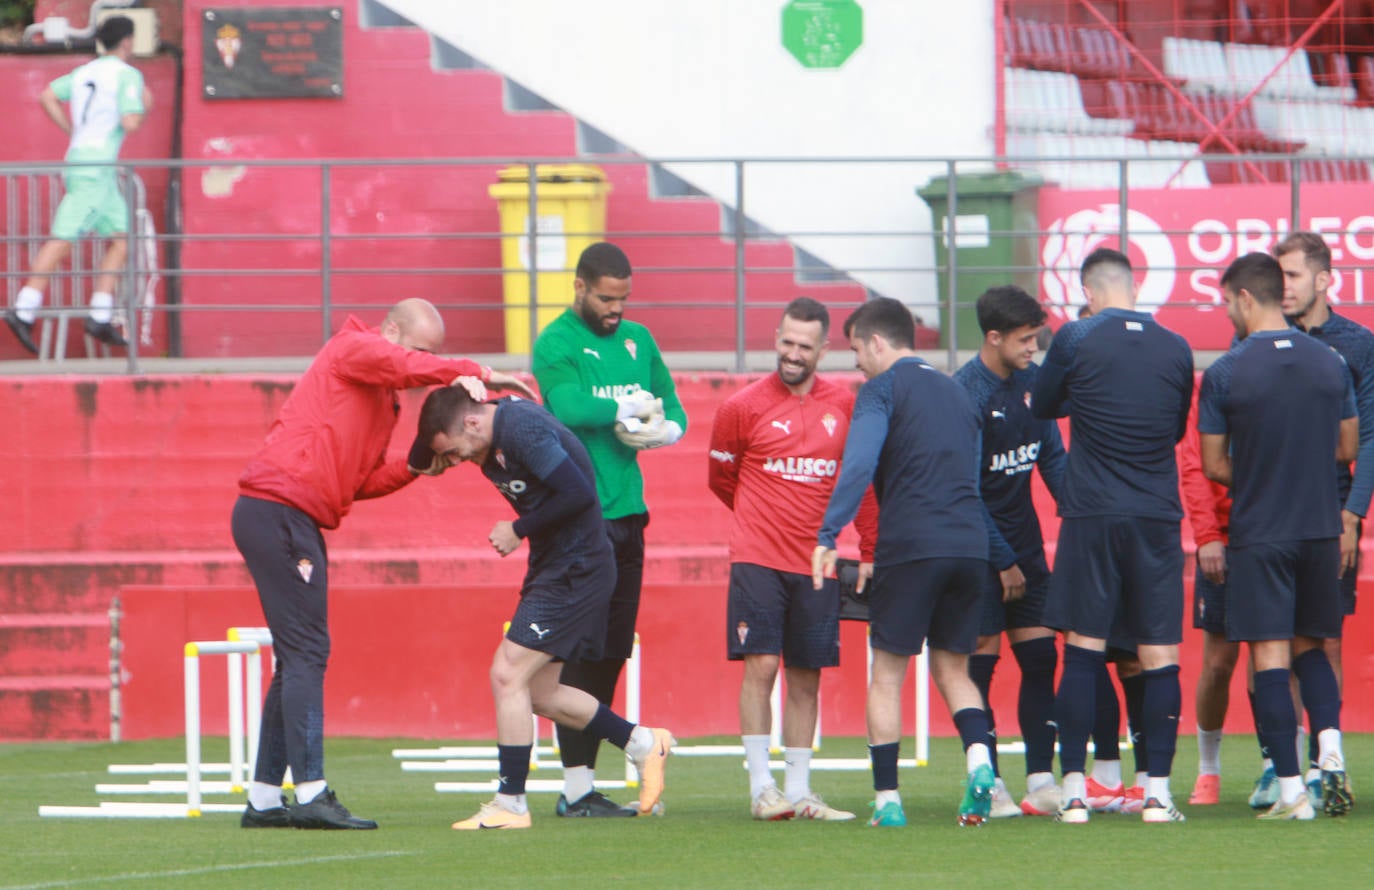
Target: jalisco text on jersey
<point>1021,460</point>
<point>801,469</point>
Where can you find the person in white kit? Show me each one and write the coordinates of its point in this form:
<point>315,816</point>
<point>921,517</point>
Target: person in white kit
<point>106,100</point>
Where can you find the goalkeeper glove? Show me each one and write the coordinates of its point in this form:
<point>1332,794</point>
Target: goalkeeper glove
<point>641,435</point>
<point>640,403</point>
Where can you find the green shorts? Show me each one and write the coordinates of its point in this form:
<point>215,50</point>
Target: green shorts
<point>91,205</point>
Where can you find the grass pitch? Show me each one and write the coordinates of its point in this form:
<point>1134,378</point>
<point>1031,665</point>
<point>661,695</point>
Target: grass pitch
<point>706,839</point>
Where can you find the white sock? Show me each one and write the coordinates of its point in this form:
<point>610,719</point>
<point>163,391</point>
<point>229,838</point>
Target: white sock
<point>883,798</point>
<point>513,803</point>
<point>1141,779</point>
<point>1329,748</point>
<point>977,755</point>
<point>1208,752</point>
<point>29,299</point>
<point>797,781</point>
<point>756,758</point>
<point>1268,763</point>
<point>1312,775</point>
<point>263,796</point>
<point>1075,787</point>
<point>308,791</point>
<point>578,782</point>
<point>1036,781</point>
<point>102,307</point>
<point>1107,773</point>
<point>1158,788</point>
<point>1290,788</point>
<point>641,743</point>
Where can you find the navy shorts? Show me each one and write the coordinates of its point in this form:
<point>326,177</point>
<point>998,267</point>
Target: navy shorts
<point>1118,575</point>
<point>1028,611</point>
<point>772,612</point>
<point>1209,602</point>
<point>563,608</point>
<point>927,598</point>
<point>1279,591</point>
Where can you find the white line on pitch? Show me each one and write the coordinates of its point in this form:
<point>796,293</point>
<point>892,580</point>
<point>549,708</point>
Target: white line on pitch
<point>207,870</point>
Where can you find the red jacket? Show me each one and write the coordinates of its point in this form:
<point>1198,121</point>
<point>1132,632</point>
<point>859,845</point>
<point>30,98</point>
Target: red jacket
<point>328,445</point>
<point>1207,504</point>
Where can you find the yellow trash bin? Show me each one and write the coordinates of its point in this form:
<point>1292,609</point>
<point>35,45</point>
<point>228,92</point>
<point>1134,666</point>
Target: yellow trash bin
<point>571,204</point>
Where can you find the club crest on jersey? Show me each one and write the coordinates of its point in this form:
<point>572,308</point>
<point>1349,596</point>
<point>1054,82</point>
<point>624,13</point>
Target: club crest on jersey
<point>742,631</point>
<point>1027,398</point>
<point>632,349</point>
<point>829,422</point>
<point>500,459</point>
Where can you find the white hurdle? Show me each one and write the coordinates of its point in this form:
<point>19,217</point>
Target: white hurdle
<point>194,651</point>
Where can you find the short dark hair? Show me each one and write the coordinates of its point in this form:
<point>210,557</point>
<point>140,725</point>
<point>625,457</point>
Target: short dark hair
<point>1006,308</point>
<point>1104,256</point>
<point>807,309</point>
<point>1259,274</point>
<point>602,260</point>
<point>443,410</point>
<point>1313,246</point>
<point>113,30</point>
<point>886,317</point>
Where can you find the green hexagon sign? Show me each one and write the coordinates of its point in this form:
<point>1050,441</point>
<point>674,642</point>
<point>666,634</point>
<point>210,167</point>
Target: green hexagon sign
<point>822,33</point>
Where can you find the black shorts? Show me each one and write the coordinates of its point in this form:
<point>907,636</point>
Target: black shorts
<point>927,598</point>
<point>771,612</point>
<point>627,540</point>
<point>562,609</point>
<point>1118,575</point>
<point>1279,591</point>
<point>1028,611</point>
<point>1209,603</point>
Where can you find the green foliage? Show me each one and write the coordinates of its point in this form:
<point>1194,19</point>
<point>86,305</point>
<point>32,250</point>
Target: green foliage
<point>706,839</point>
<point>16,12</point>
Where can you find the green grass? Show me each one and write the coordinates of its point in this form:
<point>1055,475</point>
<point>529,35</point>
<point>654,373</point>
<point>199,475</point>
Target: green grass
<point>705,840</point>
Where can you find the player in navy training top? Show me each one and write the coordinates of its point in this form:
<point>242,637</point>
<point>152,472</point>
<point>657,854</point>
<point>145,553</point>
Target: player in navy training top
<point>914,435</point>
<point>1126,383</point>
<point>545,473</point>
<point>1306,262</point>
<point>1271,414</point>
<point>999,380</point>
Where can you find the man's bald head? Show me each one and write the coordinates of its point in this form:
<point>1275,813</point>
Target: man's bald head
<point>415,324</point>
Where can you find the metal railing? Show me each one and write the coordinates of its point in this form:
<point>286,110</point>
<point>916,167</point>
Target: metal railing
<point>746,190</point>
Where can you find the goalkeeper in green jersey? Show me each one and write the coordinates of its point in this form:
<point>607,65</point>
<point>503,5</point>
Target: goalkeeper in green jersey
<point>604,378</point>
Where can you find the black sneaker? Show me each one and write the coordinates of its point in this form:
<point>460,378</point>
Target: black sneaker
<point>105,332</point>
<point>595,805</point>
<point>325,811</point>
<point>23,331</point>
<point>272,817</point>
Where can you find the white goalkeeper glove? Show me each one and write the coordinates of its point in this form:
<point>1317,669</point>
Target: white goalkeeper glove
<point>640,403</point>
<point>641,435</point>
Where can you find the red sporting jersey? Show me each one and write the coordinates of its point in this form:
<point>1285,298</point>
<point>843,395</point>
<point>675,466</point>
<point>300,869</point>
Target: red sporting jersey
<point>1207,504</point>
<point>774,461</point>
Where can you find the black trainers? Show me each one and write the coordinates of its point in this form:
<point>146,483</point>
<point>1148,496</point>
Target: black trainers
<point>272,817</point>
<point>325,811</point>
<point>595,805</point>
<point>104,332</point>
<point>23,331</point>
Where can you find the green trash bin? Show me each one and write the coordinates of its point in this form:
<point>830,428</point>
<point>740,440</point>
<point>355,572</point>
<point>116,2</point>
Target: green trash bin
<point>991,206</point>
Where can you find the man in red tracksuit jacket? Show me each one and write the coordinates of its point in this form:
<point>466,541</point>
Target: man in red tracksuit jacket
<point>326,448</point>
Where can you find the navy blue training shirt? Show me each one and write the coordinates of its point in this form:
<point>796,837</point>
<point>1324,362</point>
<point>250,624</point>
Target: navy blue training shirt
<point>915,435</point>
<point>1015,441</point>
<point>1281,396</point>
<point>1126,383</point>
<point>528,445</point>
<point>1355,343</point>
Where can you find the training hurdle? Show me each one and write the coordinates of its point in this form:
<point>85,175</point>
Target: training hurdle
<point>243,649</point>
<point>480,758</point>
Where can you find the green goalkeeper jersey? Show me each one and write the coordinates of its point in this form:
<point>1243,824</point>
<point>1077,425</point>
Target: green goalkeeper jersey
<point>580,374</point>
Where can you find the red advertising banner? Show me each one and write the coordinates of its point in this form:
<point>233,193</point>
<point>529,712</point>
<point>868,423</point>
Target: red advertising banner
<point>1181,240</point>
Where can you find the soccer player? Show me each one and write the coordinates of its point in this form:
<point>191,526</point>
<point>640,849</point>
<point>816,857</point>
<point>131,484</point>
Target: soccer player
<point>1126,383</point>
<point>914,435</point>
<point>546,474</point>
<point>1306,262</point>
<point>999,380</point>
<point>1281,399</point>
<point>776,446</point>
<point>326,449</point>
<point>107,101</point>
<point>604,378</point>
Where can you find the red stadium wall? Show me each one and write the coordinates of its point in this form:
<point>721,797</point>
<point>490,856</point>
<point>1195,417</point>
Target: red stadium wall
<point>127,483</point>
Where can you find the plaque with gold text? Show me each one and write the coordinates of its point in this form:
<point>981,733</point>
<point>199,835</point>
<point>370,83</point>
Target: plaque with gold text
<point>257,53</point>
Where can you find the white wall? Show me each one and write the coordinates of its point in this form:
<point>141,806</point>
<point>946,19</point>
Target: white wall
<point>711,79</point>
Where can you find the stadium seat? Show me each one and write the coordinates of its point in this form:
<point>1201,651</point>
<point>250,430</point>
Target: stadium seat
<point>1200,63</point>
<point>1364,80</point>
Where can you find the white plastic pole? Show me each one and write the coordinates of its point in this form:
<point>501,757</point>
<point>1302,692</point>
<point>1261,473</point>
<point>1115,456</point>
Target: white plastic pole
<point>923,706</point>
<point>192,682</point>
<point>775,707</point>
<point>234,664</point>
<point>632,704</point>
<point>254,702</point>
